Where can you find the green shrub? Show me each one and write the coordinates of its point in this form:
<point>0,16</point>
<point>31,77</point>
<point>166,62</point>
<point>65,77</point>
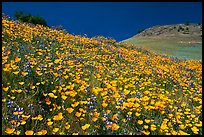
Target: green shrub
<point>30,19</point>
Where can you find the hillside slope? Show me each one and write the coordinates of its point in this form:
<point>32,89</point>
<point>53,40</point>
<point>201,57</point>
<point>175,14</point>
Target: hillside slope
<point>180,40</point>
<point>55,83</point>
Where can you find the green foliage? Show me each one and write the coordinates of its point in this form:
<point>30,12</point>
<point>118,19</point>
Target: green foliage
<point>18,14</point>
<point>30,19</point>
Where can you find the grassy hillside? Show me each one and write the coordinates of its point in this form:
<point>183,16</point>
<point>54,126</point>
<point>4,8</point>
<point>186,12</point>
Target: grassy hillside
<point>171,40</point>
<point>60,84</point>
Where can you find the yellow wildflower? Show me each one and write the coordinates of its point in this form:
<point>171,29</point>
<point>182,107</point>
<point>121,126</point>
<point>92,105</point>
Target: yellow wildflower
<point>6,89</point>
<point>9,130</point>
<point>70,110</point>
<point>147,121</point>
<point>49,123</point>
<point>140,122</point>
<point>67,126</point>
<point>29,132</point>
<point>86,126</point>
<point>146,126</point>
<point>78,114</point>
<point>44,132</point>
<point>64,97</point>
<point>55,130</point>
<point>195,130</point>
<point>21,83</point>
<point>153,127</point>
<point>115,127</point>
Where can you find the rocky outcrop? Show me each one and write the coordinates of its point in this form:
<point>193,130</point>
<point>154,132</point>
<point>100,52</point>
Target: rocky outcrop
<point>172,30</point>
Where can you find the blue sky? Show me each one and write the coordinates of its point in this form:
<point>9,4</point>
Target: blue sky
<point>119,20</point>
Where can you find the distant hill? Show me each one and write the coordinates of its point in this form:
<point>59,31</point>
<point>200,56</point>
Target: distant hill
<point>181,40</point>
<point>172,30</point>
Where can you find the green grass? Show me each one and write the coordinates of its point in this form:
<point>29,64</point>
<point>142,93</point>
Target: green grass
<point>170,47</point>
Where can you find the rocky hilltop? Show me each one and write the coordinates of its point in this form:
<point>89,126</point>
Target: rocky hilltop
<point>172,30</point>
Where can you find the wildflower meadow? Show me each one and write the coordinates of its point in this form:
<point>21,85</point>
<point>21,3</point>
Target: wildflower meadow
<point>55,83</point>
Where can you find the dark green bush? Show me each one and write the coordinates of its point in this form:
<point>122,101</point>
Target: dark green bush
<point>30,19</point>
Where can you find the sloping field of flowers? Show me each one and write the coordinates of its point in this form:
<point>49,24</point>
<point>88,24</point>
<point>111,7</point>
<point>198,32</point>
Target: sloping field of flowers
<point>57,83</point>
